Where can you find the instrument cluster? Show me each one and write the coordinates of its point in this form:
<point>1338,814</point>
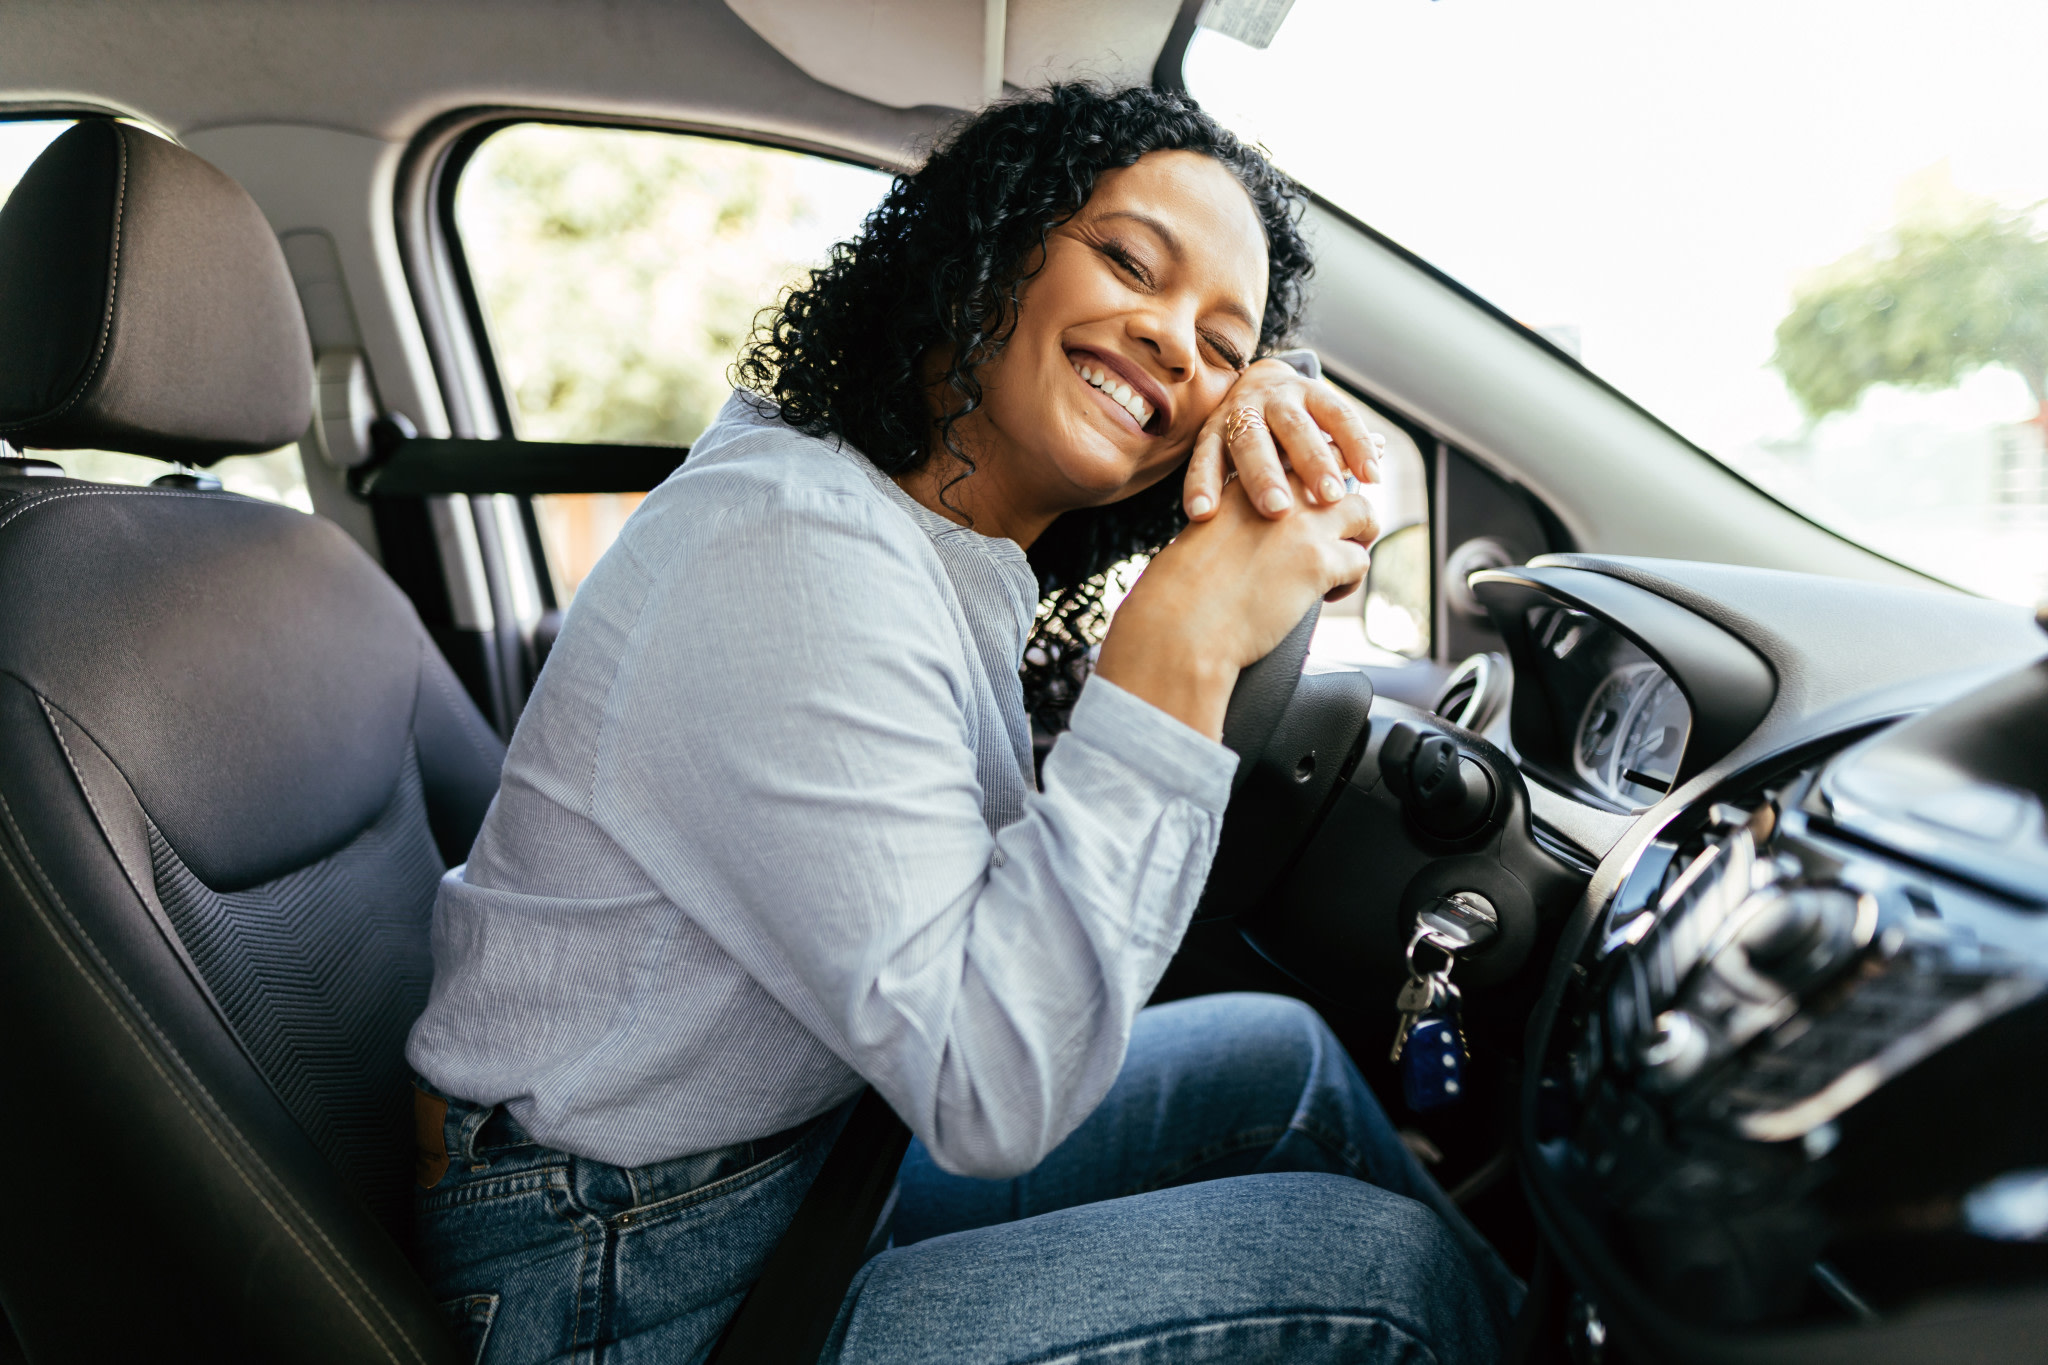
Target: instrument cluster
<point>1627,720</point>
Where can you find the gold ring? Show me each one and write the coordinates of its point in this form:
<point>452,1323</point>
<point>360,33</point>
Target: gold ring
<point>1241,421</point>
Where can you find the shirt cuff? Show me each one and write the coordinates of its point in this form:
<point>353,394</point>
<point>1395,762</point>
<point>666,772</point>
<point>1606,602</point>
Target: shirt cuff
<point>1304,362</point>
<point>1177,757</point>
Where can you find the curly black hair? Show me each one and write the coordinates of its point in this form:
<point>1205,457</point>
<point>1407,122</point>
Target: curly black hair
<point>938,267</point>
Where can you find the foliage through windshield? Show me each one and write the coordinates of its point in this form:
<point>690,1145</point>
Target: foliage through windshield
<point>1810,237</point>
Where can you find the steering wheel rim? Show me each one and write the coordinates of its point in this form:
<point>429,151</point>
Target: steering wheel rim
<point>1259,700</point>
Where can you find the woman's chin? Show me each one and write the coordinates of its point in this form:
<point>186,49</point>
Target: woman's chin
<point>1095,484</point>
<point>1100,468</point>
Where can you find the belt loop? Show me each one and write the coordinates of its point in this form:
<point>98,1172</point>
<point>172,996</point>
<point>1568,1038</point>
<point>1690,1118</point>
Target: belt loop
<point>473,1122</point>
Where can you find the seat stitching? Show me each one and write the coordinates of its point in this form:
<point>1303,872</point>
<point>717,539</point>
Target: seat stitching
<point>113,290</point>
<point>163,924</point>
<point>44,499</point>
<point>235,1162</point>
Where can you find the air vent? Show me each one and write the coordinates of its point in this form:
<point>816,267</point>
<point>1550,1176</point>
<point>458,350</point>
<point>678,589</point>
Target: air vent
<point>1476,692</point>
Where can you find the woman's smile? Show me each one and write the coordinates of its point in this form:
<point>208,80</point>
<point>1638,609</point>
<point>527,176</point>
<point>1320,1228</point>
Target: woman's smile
<point>1134,399</point>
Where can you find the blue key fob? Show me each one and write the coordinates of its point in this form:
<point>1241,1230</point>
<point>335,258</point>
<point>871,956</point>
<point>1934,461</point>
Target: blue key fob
<point>1433,1063</point>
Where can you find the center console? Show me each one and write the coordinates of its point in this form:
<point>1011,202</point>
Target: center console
<point>1794,1084</point>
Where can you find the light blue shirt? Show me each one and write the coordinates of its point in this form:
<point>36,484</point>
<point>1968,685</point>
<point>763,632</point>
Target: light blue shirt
<point>768,829</point>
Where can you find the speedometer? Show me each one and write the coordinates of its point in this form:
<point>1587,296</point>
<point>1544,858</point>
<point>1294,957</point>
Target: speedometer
<point>1632,735</point>
<point>1602,725</point>
<point>1650,747</point>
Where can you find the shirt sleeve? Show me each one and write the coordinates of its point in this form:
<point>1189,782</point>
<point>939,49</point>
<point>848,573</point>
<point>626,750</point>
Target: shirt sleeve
<point>787,753</point>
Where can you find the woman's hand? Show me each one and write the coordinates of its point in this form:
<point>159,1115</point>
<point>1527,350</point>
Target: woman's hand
<point>1225,592</point>
<point>1293,416</point>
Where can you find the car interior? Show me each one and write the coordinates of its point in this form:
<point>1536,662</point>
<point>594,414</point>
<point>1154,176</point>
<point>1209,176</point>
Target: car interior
<point>1726,833</point>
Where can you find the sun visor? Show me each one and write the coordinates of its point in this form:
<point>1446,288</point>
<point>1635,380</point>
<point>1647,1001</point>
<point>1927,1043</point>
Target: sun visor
<point>960,53</point>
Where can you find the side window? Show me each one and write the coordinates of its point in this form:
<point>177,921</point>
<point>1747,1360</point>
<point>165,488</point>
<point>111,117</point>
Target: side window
<point>275,475</point>
<point>619,271</point>
<point>1387,621</point>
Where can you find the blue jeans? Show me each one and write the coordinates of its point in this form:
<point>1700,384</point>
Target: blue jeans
<point>1238,1196</point>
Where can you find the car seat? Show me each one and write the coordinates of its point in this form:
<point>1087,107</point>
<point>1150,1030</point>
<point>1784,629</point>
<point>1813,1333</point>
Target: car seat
<point>234,767</point>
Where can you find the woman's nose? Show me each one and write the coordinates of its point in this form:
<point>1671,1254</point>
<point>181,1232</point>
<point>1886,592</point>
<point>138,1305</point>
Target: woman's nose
<point>1170,336</point>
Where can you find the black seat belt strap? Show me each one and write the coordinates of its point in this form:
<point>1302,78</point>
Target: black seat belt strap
<point>788,1314</point>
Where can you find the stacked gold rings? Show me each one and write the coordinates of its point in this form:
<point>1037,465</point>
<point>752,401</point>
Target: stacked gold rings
<point>1239,422</point>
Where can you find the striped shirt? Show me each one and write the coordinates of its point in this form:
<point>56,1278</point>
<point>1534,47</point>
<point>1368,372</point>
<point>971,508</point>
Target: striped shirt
<point>768,829</point>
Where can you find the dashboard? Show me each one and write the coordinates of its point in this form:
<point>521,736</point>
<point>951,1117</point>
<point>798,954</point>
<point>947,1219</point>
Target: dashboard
<point>1750,893</point>
<point>1783,1098</point>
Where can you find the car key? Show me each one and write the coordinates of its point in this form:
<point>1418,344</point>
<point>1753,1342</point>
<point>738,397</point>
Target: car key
<point>1420,995</point>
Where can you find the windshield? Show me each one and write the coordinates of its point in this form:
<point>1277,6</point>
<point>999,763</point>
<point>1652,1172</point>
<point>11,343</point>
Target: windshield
<point>1807,236</point>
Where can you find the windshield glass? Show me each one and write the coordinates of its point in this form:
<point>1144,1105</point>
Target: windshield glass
<point>1807,236</point>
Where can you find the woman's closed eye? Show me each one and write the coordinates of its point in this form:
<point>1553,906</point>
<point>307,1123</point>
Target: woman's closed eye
<point>1228,353</point>
<point>1128,262</point>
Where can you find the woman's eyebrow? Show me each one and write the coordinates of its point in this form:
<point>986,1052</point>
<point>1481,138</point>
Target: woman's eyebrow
<point>1166,234</point>
<point>1173,249</point>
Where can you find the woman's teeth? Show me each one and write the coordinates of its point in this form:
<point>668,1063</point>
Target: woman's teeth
<point>1127,398</point>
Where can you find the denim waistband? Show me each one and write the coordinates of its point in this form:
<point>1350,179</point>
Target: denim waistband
<point>478,1137</point>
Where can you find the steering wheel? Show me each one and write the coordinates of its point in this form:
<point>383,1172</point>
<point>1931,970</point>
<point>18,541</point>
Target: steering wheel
<point>1261,696</point>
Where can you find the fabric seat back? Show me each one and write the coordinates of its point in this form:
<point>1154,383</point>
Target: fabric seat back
<point>233,769</point>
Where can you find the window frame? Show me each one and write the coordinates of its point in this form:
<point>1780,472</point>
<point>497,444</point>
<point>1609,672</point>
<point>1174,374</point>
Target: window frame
<point>452,316</point>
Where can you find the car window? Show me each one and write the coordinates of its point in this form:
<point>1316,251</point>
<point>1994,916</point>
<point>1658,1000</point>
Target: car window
<point>1808,236</point>
<point>619,270</point>
<point>275,476</point>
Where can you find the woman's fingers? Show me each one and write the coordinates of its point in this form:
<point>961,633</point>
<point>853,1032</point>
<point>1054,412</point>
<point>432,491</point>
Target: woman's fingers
<point>1308,450</point>
<point>1361,448</point>
<point>1356,521</point>
<point>1249,444</point>
<point>1347,555</point>
<point>1272,424</point>
<point>1202,489</point>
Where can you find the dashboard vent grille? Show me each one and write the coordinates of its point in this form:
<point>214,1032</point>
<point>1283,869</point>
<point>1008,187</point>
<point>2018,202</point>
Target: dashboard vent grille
<point>1475,693</point>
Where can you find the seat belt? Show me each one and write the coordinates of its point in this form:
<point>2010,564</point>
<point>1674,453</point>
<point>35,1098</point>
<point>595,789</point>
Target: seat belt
<point>788,1314</point>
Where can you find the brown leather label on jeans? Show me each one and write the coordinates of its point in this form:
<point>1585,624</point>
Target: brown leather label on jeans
<point>430,1132</point>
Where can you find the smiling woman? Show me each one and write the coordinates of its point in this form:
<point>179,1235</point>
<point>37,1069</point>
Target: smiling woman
<point>904,337</point>
<point>769,831</point>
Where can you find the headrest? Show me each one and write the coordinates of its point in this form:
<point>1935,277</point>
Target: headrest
<point>145,306</point>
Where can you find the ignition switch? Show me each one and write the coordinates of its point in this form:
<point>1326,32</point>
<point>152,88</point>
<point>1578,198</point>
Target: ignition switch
<point>1449,794</point>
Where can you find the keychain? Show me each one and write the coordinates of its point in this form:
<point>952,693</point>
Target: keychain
<point>1429,1043</point>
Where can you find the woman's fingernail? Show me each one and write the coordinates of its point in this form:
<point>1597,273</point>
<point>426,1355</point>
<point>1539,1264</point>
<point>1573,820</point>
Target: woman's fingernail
<point>1372,470</point>
<point>1275,501</point>
<point>1379,442</point>
<point>1200,506</point>
<point>1332,488</point>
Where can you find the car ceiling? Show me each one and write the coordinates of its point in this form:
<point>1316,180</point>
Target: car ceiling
<point>386,68</point>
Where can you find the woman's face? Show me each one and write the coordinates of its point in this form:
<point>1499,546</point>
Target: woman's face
<point>1145,310</point>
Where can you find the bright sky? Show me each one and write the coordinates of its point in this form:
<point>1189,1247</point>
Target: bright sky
<point>1656,173</point>
<point>20,143</point>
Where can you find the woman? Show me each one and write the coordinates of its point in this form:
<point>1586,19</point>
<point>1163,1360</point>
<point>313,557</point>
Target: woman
<point>768,830</point>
